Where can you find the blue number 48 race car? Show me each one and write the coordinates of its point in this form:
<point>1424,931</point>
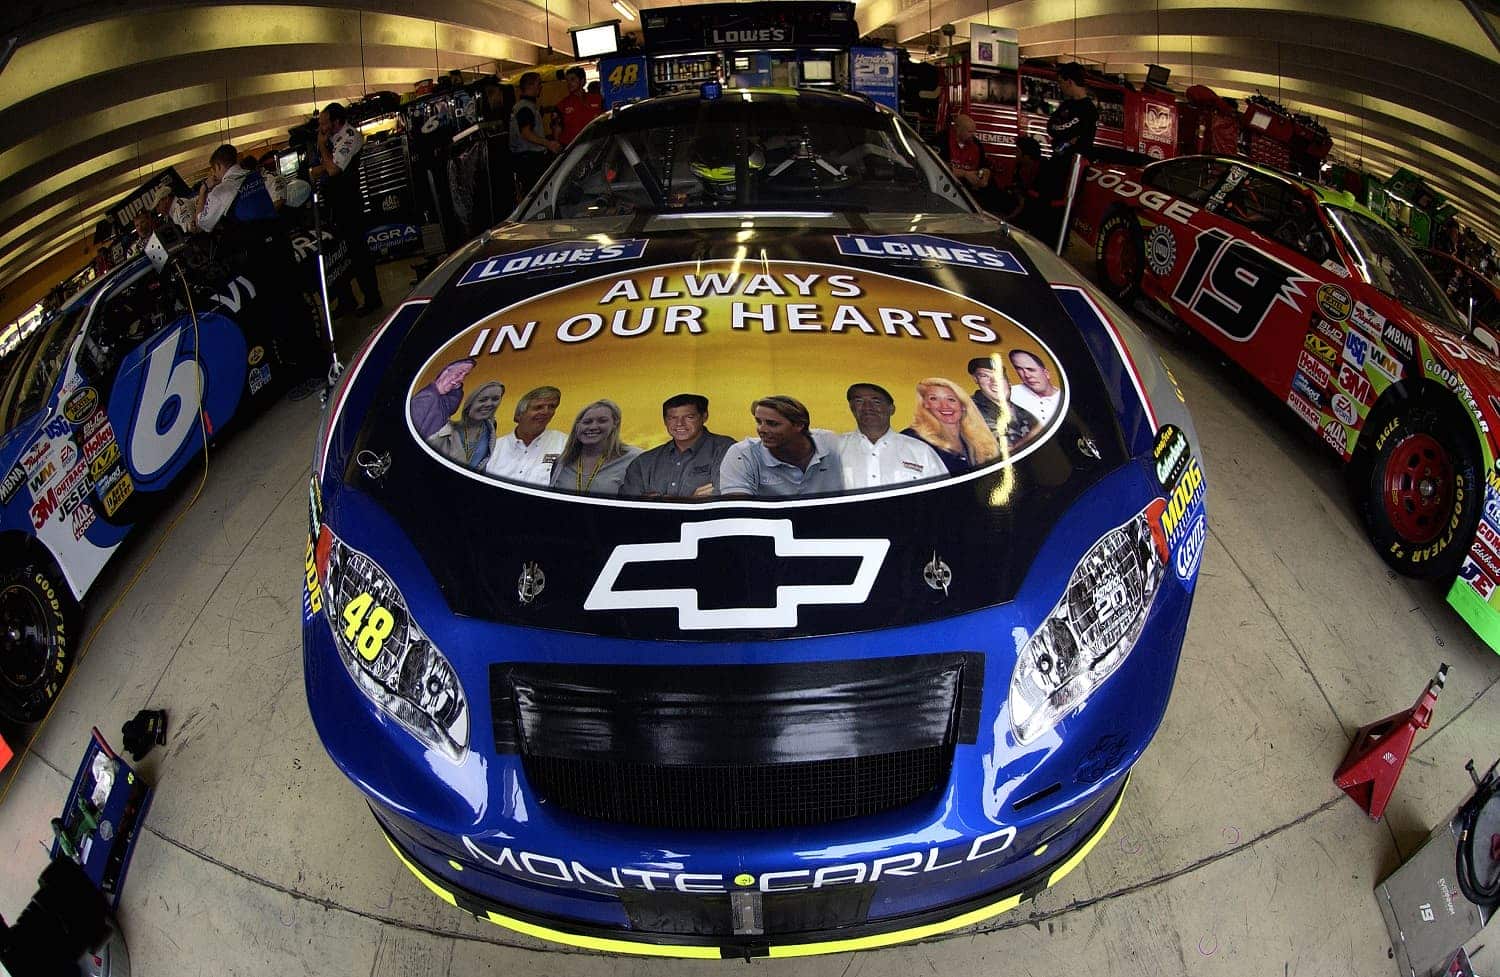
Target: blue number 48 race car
<point>751,548</point>
<point>102,407</point>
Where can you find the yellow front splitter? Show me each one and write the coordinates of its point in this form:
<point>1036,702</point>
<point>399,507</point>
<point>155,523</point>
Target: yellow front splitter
<point>890,938</point>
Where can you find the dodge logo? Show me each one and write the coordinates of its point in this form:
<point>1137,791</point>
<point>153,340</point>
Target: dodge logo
<point>607,594</point>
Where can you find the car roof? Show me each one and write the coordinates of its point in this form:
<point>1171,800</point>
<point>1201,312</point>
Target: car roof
<point>815,96</point>
<point>1326,195</point>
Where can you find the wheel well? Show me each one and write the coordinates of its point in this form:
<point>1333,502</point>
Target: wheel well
<point>1397,395</point>
<point>17,548</point>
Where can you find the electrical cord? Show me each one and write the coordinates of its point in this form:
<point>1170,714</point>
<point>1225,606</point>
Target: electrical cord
<point>1482,894</point>
<point>150,558</point>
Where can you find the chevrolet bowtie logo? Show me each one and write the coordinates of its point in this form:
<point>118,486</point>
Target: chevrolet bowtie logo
<point>691,616</point>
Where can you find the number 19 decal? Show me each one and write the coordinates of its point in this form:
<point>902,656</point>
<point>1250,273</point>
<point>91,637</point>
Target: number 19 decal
<point>1233,285</point>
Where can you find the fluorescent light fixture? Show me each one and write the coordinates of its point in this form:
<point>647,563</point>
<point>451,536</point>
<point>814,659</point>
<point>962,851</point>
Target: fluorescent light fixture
<point>623,9</point>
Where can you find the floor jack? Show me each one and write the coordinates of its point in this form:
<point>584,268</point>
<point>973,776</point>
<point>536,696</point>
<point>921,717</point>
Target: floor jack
<point>1379,751</point>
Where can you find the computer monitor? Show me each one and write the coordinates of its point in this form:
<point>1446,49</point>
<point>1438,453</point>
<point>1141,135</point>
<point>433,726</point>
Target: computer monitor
<point>596,40</point>
<point>1157,74</point>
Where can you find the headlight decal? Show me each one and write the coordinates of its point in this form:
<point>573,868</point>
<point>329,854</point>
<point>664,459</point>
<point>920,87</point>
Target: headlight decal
<point>1093,626</point>
<point>386,652</point>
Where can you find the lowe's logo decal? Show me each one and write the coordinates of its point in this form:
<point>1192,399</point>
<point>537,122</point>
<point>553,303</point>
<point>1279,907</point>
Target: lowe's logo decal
<point>608,594</point>
<point>925,247</point>
<point>562,255</point>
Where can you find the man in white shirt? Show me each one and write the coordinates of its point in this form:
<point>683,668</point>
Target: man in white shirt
<point>231,191</point>
<point>875,455</point>
<point>528,453</point>
<point>1037,394</point>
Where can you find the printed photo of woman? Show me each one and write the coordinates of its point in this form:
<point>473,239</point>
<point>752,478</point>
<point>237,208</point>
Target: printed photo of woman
<point>947,419</point>
<point>470,437</point>
<point>594,460</point>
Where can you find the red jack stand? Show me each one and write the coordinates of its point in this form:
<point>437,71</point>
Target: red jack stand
<point>5,753</point>
<point>1375,759</point>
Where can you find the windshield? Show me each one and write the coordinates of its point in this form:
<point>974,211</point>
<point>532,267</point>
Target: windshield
<point>746,151</point>
<point>1387,263</point>
<point>30,371</point>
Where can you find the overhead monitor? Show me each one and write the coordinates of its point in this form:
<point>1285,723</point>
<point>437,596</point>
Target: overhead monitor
<point>817,71</point>
<point>596,40</point>
<point>994,47</point>
<point>1157,74</point>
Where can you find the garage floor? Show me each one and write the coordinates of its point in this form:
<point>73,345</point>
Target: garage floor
<point>1234,854</point>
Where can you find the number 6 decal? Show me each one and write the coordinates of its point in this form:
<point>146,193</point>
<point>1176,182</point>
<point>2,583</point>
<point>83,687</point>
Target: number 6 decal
<point>167,410</point>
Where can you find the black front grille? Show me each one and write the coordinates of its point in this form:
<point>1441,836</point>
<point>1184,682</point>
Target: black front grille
<point>737,747</point>
<point>737,798</point>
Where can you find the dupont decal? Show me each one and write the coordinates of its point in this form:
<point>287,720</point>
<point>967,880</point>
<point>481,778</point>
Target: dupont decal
<point>391,237</point>
<point>1161,250</point>
<point>1185,502</point>
<point>1335,302</point>
<point>81,405</point>
<point>1320,350</point>
<point>1190,554</point>
<point>1305,409</point>
<point>1306,388</point>
<point>926,247</point>
<point>1344,409</point>
<point>564,255</point>
<point>550,870</point>
<point>1367,320</point>
<point>1153,200</point>
<point>1317,371</point>
<point>607,595</point>
<point>593,361</point>
<point>1172,455</point>
<point>1399,339</point>
<point>1356,385</point>
<point>1233,285</point>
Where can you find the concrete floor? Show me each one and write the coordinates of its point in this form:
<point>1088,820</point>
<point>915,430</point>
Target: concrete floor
<point>1234,854</point>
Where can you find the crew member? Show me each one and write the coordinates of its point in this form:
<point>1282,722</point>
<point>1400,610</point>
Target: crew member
<point>578,108</point>
<point>688,464</point>
<point>1014,188</point>
<point>787,458</point>
<point>339,145</point>
<point>530,150</point>
<point>1071,129</point>
<point>875,455</point>
<point>1038,394</point>
<point>232,191</point>
<point>966,156</point>
<point>528,453</point>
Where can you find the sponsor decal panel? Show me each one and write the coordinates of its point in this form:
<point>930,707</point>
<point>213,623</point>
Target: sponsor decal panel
<point>1307,411</point>
<point>1335,302</point>
<point>117,494</point>
<point>1172,455</point>
<point>11,484</point>
<point>1185,502</point>
<point>552,257</point>
<point>1333,432</point>
<point>1316,370</point>
<point>1356,350</point>
<point>1489,534</point>
<point>83,518</point>
<point>98,441</point>
<point>81,405</point>
<point>1367,320</point>
<point>104,461</point>
<point>1386,364</point>
<point>1161,250</point>
<point>389,237</point>
<point>926,247</point>
<point>259,377</point>
<point>1308,389</point>
<point>1355,384</point>
<point>43,477</point>
<point>1399,339</point>
<point>1190,554</point>
<point>1330,332</point>
<point>1325,354</point>
<point>1474,575</point>
<point>1344,409</point>
<point>94,423</point>
<point>1483,554</point>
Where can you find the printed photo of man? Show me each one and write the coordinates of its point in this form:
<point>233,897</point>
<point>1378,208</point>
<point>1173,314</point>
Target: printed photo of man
<point>686,466</point>
<point>786,458</point>
<point>435,403</point>
<point>992,397</point>
<point>874,455</point>
<point>528,453</point>
<point>1038,394</point>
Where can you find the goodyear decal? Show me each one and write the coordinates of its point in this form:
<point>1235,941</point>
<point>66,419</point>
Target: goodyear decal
<point>926,247</point>
<point>1185,502</point>
<point>1172,455</point>
<point>565,255</point>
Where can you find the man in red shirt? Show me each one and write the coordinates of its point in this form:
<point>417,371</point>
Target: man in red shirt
<point>578,107</point>
<point>965,156</point>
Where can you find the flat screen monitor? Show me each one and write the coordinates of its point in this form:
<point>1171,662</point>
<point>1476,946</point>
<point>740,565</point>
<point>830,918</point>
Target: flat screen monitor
<point>817,71</point>
<point>596,40</point>
<point>1157,74</point>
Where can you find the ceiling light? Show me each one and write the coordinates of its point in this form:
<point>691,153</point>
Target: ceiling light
<point>623,9</point>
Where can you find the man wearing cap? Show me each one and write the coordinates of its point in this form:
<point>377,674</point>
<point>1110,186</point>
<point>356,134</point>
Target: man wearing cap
<point>875,455</point>
<point>787,458</point>
<point>686,466</point>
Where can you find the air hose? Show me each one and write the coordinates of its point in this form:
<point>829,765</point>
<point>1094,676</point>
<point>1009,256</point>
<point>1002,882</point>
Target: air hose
<point>1484,894</point>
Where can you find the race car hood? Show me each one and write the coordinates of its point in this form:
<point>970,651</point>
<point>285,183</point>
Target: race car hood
<point>734,310</point>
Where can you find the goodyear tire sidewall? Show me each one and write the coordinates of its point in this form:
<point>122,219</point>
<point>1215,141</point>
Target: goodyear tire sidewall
<point>29,703</point>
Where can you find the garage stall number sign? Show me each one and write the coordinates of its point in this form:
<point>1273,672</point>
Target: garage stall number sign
<point>842,353</point>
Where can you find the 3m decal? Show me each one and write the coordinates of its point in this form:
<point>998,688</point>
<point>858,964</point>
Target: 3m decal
<point>1333,432</point>
<point>1330,332</point>
<point>1186,501</point>
<point>1153,200</point>
<point>1310,390</point>
<point>1367,320</point>
<point>81,405</point>
<point>1335,302</point>
<point>1399,339</point>
<point>1325,354</point>
<point>1356,385</point>
<point>1161,250</point>
<point>1190,554</point>
<point>1474,576</point>
<point>789,599</point>
<point>1233,285</point>
<point>1344,409</point>
<point>1317,371</point>
<point>117,495</point>
<point>552,257</point>
<point>1305,410</point>
<point>1356,350</point>
<point>1172,455</point>
<point>926,247</point>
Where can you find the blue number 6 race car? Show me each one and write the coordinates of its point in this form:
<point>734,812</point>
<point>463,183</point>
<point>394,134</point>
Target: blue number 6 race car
<point>102,407</point>
<point>749,549</point>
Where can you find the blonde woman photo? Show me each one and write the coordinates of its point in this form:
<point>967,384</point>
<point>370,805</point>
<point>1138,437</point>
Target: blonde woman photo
<point>947,419</point>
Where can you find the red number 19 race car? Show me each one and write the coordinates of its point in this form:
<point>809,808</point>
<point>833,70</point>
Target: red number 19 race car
<point>1324,305</point>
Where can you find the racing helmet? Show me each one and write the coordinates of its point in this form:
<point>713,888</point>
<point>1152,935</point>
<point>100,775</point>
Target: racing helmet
<point>715,163</point>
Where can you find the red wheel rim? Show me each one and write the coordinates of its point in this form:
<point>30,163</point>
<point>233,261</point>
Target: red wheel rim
<point>1418,488</point>
<point>1121,264</point>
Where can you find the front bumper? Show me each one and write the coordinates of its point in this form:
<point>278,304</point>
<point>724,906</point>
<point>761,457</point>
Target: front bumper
<point>1091,826</point>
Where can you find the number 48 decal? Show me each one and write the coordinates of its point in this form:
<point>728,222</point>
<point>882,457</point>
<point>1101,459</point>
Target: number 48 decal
<point>1233,285</point>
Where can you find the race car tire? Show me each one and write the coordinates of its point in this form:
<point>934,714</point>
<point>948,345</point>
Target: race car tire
<point>38,618</point>
<point>1419,488</point>
<point>1120,255</point>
